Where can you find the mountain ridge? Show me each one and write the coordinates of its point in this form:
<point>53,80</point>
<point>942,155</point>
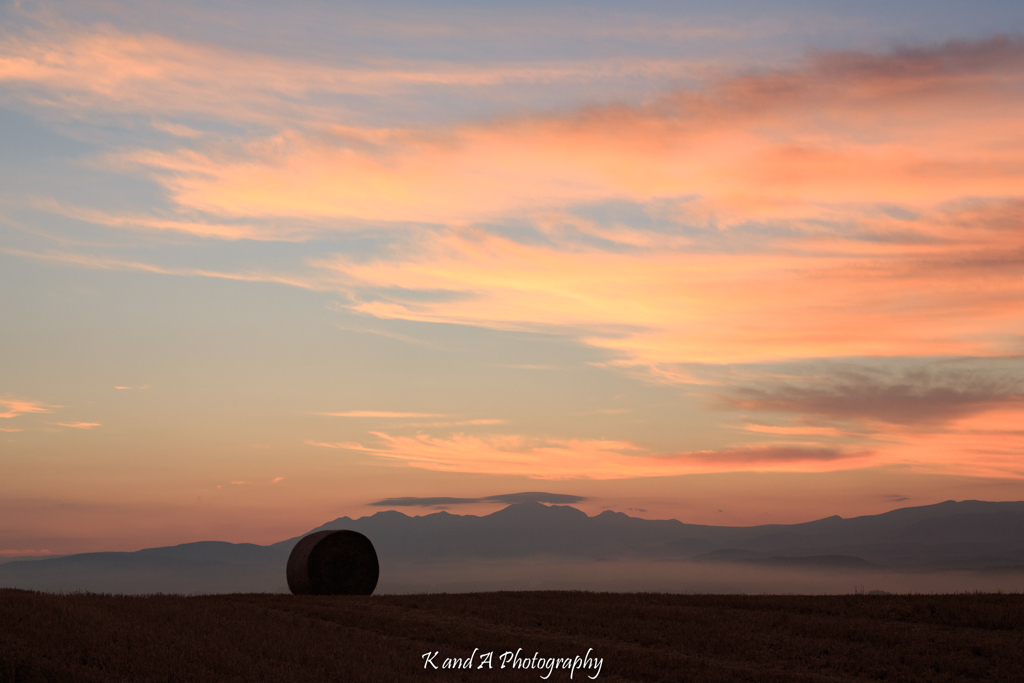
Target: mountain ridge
<point>965,535</point>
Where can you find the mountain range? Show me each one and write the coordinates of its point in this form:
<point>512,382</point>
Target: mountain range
<point>950,536</point>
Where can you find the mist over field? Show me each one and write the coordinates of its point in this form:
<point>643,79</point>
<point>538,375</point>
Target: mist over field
<point>516,574</point>
<point>627,576</point>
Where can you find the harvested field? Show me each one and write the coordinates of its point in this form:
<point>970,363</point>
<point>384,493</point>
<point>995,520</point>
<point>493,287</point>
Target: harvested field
<point>637,637</point>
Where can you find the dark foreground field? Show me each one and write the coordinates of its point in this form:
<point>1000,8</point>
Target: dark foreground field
<point>639,637</point>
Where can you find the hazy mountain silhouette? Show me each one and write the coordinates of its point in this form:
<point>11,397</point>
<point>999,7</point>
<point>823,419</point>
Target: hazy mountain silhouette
<point>968,535</point>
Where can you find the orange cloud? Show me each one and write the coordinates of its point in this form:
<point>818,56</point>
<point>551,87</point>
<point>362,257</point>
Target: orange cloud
<point>105,69</point>
<point>986,444</point>
<point>341,445</point>
<point>397,415</point>
<point>817,152</point>
<point>794,431</point>
<point>379,413</point>
<point>595,458</point>
<point>108,263</point>
<point>80,425</point>
<point>817,158</point>
<point>15,407</point>
<point>916,128</point>
<point>455,423</point>
<point>657,307</point>
<point>201,228</point>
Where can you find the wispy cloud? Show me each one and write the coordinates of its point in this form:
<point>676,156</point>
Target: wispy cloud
<point>595,458</point>
<point>80,425</point>
<point>342,445</point>
<point>853,205</point>
<point>112,263</point>
<point>454,423</point>
<point>857,204</point>
<point>379,413</point>
<point>505,499</point>
<point>983,444</point>
<point>194,225</point>
<point>922,396</point>
<point>103,69</point>
<point>818,153</point>
<point>12,407</point>
<point>829,295</point>
<point>793,431</point>
<point>847,128</point>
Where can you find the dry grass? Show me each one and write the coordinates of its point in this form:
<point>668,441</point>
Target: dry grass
<point>641,637</point>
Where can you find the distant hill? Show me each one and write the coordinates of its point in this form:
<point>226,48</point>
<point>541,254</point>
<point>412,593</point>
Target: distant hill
<point>967,535</point>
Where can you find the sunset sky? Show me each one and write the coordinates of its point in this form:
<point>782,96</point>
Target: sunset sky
<point>267,264</point>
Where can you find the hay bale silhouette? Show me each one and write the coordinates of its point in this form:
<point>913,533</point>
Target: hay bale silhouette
<point>333,563</point>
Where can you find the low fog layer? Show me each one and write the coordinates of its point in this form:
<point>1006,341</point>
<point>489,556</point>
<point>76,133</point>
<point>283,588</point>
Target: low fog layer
<point>679,577</point>
<point>474,575</point>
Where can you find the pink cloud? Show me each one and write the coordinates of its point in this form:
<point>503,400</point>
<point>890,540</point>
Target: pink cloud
<point>346,445</point>
<point>824,297</point>
<point>914,127</point>
<point>80,425</point>
<point>108,263</point>
<point>455,423</point>
<point>985,444</point>
<point>233,230</point>
<point>379,413</point>
<point>794,431</point>
<point>815,150</point>
<point>911,127</point>
<point>108,70</point>
<point>596,458</point>
<point>812,148</point>
<point>14,407</point>
<point>934,131</point>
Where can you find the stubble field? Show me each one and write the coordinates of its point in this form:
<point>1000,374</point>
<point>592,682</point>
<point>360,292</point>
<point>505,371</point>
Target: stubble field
<point>636,637</point>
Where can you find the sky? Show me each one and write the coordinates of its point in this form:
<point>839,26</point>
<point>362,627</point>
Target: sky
<point>264,265</point>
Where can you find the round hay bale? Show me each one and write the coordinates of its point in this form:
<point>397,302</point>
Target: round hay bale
<point>333,563</point>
